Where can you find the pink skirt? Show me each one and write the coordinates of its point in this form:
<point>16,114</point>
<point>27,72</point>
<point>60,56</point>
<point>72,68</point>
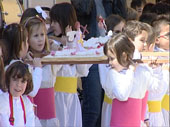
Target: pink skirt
<point>126,113</point>
<point>45,102</point>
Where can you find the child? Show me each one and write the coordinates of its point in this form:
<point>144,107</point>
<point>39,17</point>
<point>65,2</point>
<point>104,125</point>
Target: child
<point>138,34</point>
<point>38,45</point>
<point>161,27</point>
<point>122,83</point>
<point>155,116</point>
<point>115,23</point>
<point>68,109</point>
<point>15,107</point>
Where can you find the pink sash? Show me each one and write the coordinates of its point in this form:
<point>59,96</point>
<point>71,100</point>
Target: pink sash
<point>45,102</point>
<point>144,105</point>
<point>126,113</point>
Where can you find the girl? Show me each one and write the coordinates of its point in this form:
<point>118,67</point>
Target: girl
<point>38,45</point>
<point>15,107</point>
<point>115,23</point>
<point>68,110</point>
<point>122,83</point>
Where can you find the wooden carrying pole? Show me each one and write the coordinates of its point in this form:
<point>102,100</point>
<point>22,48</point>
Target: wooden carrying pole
<point>161,57</point>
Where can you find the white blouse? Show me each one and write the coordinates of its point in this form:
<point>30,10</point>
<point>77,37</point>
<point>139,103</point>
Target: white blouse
<point>18,112</point>
<point>129,83</point>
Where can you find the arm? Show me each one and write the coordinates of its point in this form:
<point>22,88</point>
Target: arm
<point>30,116</point>
<point>119,85</point>
<point>82,70</point>
<point>37,78</point>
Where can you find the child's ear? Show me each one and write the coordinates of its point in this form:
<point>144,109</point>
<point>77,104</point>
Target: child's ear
<point>124,57</point>
<point>157,41</point>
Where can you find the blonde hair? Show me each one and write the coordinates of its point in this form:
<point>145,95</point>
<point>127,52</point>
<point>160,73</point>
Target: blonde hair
<point>31,22</point>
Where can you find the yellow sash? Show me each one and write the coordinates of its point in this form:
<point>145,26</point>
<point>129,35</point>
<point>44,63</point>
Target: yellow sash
<point>66,84</point>
<point>107,99</point>
<point>154,106</point>
<point>165,102</point>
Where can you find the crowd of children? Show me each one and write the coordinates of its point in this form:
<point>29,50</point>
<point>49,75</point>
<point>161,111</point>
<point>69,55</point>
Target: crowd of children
<point>37,95</point>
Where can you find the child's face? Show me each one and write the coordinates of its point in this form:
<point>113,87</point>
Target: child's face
<point>140,41</point>
<point>56,28</point>
<point>37,39</point>
<point>113,62</point>
<point>118,28</point>
<point>17,86</point>
<point>163,38</point>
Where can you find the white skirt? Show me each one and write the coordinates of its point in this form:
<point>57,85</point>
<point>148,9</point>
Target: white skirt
<point>49,123</point>
<point>156,119</point>
<point>106,114</point>
<point>166,117</point>
<point>68,110</point>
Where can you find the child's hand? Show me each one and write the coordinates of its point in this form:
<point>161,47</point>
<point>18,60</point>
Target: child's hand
<point>29,56</point>
<point>153,63</point>
<point>68,29</point>
<point>37,62</point>
<point>100,25</point>
<point>54,46</point>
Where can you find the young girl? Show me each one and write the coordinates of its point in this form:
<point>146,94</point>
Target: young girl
<point>68,109</point>
<point>15,107</point>
<point>38,45</point>
<point>122,83</point>
<point>115,23</point>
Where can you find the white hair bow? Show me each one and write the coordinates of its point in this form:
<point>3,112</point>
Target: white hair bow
<point>40,11</point>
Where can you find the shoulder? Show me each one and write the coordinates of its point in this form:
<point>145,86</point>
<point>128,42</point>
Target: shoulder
<point>143,67</point>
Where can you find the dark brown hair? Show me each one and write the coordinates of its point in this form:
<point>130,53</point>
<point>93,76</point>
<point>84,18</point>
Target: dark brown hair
<point>15,35</point>
<point>19,70</point>
<point>118,45</point>
<point>5,51</point>
<point>2,75</point>
<point>64,14</point>
<point>113,20</point>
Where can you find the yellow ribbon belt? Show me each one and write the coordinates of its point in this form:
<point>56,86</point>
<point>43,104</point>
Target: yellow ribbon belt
<point>66,84</point>
<point>154,106</point>
<point>107,99</point>
<point>165,102</point>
